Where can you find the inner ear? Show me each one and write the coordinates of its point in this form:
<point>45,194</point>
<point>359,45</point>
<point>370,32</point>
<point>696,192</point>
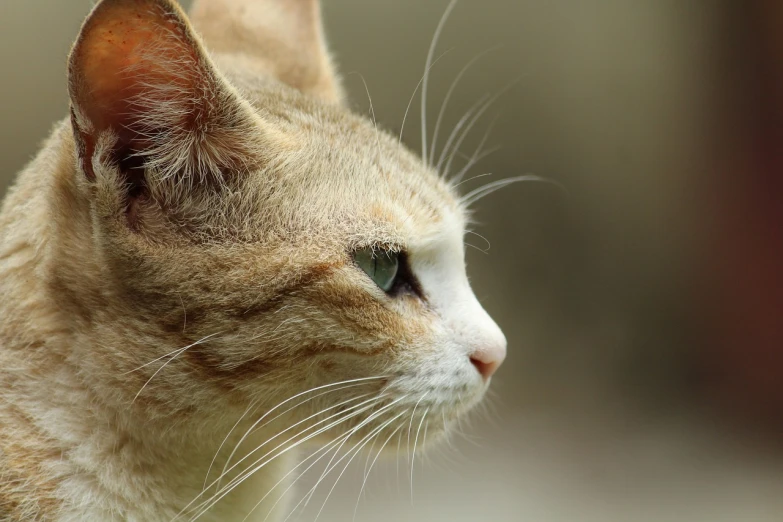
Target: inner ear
<point>139,74</point>
<point>133,170</point>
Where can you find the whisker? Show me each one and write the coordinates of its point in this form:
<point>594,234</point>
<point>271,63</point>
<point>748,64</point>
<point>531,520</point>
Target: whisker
<point>381,428</point>
<point>413,457</point>
<point>236,448</point>
<point>179,352</point>
<point>369,456</point>
<point>430,54</point>
<point>364,380</point>
<point>257,465</point>
<point>372,403</point>
<point>492,414</point>
<point>470,125</point>
<point>358,427</point>
<point>330,467</point>
<point>211,464</point>
<point>478,155</point>
<point>269,421</point>
<point>325,449</point>
<point>410,102</point>
<point>472,197</point>
<point>450,92</point>
<point>455,131</point>
<point>426,428</point>
<point>410,425</point>
<point>161,357</point>
<point>372,113</point>
<point>369,452</point>
<point>489,245</point>
<point>226,471</point>
<point>184,314</point>
<point>367,473</point>
<point>484,175</point>
<point>399,441</point>
<point>475,247</point>
<point>151,362</point>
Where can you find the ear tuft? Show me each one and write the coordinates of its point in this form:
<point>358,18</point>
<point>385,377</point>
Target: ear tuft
<point>139,72</point>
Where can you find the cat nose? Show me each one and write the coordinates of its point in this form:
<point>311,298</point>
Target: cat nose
<point>488,359</point>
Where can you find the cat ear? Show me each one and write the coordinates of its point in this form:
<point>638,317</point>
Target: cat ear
<point>280,38</point>
<point>144,91</point>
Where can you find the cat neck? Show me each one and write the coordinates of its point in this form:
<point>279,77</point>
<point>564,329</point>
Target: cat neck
<point>98,441</point>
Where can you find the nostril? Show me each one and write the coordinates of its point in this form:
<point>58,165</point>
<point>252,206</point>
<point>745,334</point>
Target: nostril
<point>486,369</point>
<point>488,359</point>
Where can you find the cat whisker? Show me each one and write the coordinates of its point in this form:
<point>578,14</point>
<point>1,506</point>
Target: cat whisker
<point>445,170</point>
<point>226,469</point>
<point>358,427</point>
<point>473,441</point>
<point>484,175</point>
<point>330,467</point>
<point>369,456</point>
<point>356,451</point>
<point>478,154</point>
<point>485,252</point>
<point>269,421</point>
<point>410,425</point>
<point>372,402</point>
<point>472,197</point>
<point>206,505</point>
<point>490,406</point>
<point>309,495</point>
<point>399,442</point>
<point>489,245</point>
<point>369,452</point>
<point>184,314</point>
<point>426,428</point>
<point>457,127</point>
<point>447,457</point>
<point>425,84</point>
<point>450,92</point>
<point>410,101</point>
<point>413,455</point>
<point>177,354</point>
<point>367,472</point>
<point>372,113</point>
<point>324,450</point>
<point>212,463</point>
<point>449,436</point>
<point>280,415</point>
<point>173,352</point>
<point>473,162</point>
<point>364,380</point>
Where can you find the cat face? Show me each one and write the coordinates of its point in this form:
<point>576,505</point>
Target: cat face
<point>235,213</point>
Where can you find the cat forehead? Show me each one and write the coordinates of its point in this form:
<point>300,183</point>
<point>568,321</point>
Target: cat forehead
<point>332,167</point>
<point>363,202</point>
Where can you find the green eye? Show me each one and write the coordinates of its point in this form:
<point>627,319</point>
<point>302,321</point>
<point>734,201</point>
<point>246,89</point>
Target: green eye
<point>381,266</point>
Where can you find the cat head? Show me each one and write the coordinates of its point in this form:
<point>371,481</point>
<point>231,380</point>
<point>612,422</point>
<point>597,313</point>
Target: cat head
<point>234,235</point>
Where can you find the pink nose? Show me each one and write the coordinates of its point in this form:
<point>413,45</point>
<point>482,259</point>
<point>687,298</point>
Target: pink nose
<point>488,360</point>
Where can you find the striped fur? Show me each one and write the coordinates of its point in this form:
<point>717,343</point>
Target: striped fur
<point>180,250</point>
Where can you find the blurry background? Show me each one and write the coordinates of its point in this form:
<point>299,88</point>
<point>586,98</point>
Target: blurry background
<point>643,306</point>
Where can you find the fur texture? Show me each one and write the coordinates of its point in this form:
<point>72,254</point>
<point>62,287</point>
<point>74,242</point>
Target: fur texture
<point>177,262</point>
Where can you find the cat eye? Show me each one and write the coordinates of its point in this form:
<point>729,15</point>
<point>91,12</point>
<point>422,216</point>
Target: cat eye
<point>382,266</point>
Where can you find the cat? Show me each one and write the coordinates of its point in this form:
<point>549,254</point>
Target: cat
<point>213,263</point>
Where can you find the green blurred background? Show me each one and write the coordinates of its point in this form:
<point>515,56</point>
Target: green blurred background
<point>623,397</point>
